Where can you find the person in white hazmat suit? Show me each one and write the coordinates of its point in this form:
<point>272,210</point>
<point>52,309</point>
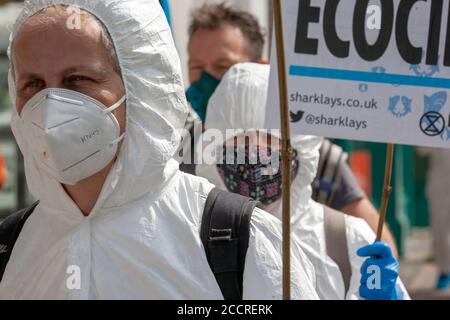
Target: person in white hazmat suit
<point>239,103</point>
<point>96,110</point>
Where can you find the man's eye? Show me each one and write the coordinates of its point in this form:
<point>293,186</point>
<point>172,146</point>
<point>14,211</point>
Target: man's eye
<point>34,84</point>
<point>77,78</point>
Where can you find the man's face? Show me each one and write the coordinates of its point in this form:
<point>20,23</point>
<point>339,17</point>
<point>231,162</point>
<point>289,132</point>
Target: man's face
<point>215,51</point>
<point>53,56</point>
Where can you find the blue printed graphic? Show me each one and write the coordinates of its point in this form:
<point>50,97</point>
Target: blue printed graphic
<point>361,76</point>
<point>424,71</point>
<point>435,103</point>
<point>400,109</point>
<point>363,87</point>
<point>445,135</point>
<point>379,69</point>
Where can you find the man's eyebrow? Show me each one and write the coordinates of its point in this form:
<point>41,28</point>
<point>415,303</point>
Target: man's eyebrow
<point>194,60</point>
<point>72,69</point>
<point>224,60</point>
<point>27,76</point>
<point>81,67</point>
<point>221,60</point>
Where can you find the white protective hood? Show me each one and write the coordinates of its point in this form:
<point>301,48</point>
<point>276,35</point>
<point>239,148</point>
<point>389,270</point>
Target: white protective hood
<point>155,94</point>
<point>239,102</point>
<point>141,240</point>
<point>8,14</point>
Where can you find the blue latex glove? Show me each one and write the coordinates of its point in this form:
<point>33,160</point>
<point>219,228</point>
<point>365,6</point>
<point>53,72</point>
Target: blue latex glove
<point>382,259</point>
<point>443,282</point>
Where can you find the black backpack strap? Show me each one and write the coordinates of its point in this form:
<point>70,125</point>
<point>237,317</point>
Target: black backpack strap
<point>329,173</point>
<point>10,229</point>
<point>225,233</point>
<point>191,166</point>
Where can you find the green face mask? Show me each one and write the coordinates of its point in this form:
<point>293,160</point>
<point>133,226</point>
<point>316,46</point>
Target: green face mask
<point>200,92</point>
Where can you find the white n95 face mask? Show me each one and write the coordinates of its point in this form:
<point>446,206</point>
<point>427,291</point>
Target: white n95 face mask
<point>71,135</point>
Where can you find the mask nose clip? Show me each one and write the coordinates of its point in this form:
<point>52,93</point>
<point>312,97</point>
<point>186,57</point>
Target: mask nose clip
<point>63,99</point>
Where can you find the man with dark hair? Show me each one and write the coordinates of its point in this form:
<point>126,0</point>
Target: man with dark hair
<point>240,34</point>
<point>219,37</point>
<point>222,36</point>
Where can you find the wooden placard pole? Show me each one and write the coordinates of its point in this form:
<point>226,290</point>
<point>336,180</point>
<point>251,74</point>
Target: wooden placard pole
<point>386,189</point>
<point>286,149</point>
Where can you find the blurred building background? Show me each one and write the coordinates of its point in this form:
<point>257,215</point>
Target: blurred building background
<point>408,214</point>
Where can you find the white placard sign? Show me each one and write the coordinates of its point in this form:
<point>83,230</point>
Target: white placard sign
<point>367,70</point>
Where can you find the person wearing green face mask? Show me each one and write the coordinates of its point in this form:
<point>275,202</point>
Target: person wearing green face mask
<point>219,37</point>
<point>199,93</point>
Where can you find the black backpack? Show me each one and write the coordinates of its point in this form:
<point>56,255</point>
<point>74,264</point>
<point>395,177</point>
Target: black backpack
<point>225,233</point>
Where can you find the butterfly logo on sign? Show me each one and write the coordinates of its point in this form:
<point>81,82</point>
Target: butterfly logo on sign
<point>432,121</point>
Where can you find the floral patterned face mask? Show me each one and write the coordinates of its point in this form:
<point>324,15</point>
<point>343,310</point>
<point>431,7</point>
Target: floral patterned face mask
<point>255,177</point>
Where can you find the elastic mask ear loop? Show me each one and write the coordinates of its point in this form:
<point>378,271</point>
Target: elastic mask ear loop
<point>111,109</point>
<point>116,141</point>
<point>115,105</point>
